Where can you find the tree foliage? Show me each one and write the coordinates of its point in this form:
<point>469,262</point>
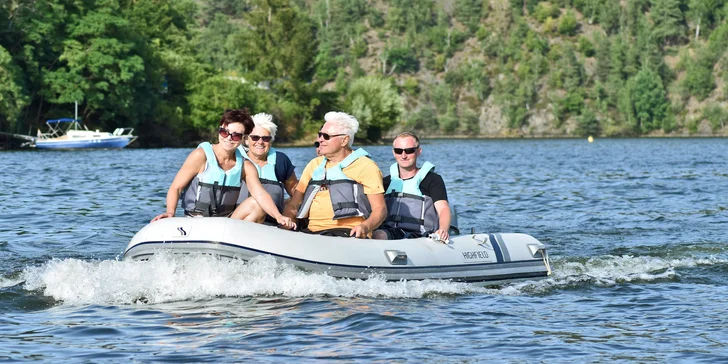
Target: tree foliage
<point>376,104</point>
<point>170,67</point>
<point>12,92</point>
<point>649,101</point>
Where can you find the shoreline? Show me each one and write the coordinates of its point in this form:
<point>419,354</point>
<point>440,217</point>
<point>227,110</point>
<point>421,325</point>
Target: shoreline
<point>389,138</point>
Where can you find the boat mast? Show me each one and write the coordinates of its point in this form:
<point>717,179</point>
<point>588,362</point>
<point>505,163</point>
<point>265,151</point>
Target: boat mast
<point>75,116</point>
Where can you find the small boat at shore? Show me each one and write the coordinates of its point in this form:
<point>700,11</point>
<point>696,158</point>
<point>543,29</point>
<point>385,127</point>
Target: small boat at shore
<point>485,259</point>
<point>67,133</point>
<point>77,136</point>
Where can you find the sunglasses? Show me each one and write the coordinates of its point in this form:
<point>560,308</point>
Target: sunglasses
<point>399,151</point>
<point>255,138</point>
<point>328,136</point>
<point>236,137</point>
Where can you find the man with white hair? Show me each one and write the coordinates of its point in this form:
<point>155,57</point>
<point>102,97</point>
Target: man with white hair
<point>340,192</point>
<point>275,170</point>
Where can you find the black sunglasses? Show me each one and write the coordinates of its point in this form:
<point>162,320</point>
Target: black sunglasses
<point>236,137</point>
<point>406,150</point>
<point>328,136</point>
<point>255,138</point>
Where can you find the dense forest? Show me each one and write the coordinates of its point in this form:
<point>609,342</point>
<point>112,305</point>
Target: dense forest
<point>489,68</point>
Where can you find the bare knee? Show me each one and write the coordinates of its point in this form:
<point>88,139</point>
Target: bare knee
<point>249,210</point>
<point>379,235</point>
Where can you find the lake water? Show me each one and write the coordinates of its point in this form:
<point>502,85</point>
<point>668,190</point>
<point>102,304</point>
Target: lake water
<point>637,230</point>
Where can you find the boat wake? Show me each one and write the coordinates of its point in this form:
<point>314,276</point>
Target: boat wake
<point>170,277</point>
<point>610,270</point>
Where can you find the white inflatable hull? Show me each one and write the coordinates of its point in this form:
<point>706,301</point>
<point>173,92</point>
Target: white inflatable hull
<point>488,259</point>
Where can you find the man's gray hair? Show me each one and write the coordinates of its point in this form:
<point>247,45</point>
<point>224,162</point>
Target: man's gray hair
<point>265,121</point>
<point>346,124</point>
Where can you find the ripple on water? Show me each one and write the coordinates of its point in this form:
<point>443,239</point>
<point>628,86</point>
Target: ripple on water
<point>636,228</point>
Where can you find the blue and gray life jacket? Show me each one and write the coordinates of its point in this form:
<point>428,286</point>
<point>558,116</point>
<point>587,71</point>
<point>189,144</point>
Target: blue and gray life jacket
<point>268,179</point>
<point>347,196</point>
<point>214,192</point>
<point>407,208</point>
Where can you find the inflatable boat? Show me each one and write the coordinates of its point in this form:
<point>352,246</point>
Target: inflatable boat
<point>487,259</point>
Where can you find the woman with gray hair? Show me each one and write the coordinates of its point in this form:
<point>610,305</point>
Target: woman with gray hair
<point>275,170</point>
<point>340,192</point>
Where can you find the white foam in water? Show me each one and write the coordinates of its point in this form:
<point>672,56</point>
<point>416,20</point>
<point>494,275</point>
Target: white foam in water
<point>609,270</point>
<point>166,277</point>
<point>5,282</point>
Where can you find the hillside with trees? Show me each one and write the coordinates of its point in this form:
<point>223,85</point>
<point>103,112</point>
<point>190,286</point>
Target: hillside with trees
<point>461,68</point>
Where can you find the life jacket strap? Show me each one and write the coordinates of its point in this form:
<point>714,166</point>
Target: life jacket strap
<point>405,219</point>
<point>213,199</point>
<point>342,205</point>
<point>402,194</point>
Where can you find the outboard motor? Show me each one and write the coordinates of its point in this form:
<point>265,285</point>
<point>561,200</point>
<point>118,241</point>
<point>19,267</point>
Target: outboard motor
<point>453,222</point>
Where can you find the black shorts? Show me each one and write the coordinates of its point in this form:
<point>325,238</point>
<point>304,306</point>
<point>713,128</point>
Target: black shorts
<point>330,232</point>
<point>397,233</point>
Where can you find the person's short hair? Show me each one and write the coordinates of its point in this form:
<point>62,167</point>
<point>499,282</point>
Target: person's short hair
<point>346,123</point>
<point>238,116</point>
<point>408,134</point>
<point>265,121</point>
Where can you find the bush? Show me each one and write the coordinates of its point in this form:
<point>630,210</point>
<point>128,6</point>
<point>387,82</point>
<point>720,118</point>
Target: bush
<point>568,24</point>
<point>404,59</point>
<point>716,115</point>
<point>586,47</point>
<point>545,10</point>
<point>423,119</point>
<point>587,124</point>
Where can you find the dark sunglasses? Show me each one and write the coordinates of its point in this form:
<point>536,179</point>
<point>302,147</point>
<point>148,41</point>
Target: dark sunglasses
<point>328,136</point>
<point>406,150</point>
<point>236,137</point>
<point>255,138</point>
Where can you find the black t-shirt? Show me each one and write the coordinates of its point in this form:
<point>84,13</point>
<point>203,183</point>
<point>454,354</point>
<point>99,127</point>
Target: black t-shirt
<point>284,167</point>
<point>432,185</point>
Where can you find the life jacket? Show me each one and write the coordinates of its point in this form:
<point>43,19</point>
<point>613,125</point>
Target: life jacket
<point>407,208</point>
<point>268,178</point>
<point>347,196</point>
<point>214,192</point>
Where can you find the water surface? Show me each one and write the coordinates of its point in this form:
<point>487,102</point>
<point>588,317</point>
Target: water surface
<point>637,230</point>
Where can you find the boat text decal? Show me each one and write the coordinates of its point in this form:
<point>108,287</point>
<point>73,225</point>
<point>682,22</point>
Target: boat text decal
<point>478,254</point>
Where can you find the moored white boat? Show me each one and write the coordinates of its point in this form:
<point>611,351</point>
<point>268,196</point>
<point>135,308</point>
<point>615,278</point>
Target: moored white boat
<point>67,133</point>
<point>487,259</point>
<point>76,138</point>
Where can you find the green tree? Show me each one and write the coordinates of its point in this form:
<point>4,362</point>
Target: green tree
<point>99,65</point>
<point>649,100</point>
<point>280,45</point>
<point>603,57</point>
<point>469,12</point>
<point>699,79</point>
<point>215,43</point>
<point>213,95</point>
<point>609,16</point>
<point>12,91</point>
<point>410,15</point>
<point>568,24</point>
<point>588,124</point>
<point>423,119</point>
<point>376,104</point>
<point>545,10</point>
<point>668,21</point>
<point>716,115</point>
<point>703,13</point>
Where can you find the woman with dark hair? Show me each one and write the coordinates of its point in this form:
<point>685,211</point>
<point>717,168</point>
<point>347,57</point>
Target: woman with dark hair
<point>209,181</point>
